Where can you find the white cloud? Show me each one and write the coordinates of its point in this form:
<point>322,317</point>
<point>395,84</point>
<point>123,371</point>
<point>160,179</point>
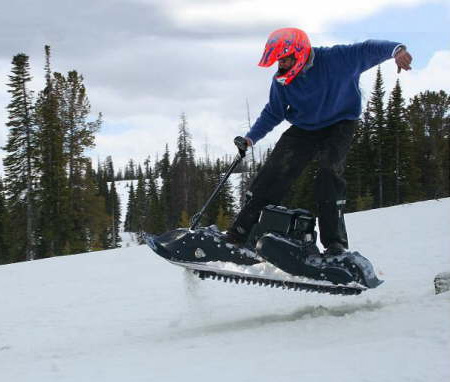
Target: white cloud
<point>313,16</point>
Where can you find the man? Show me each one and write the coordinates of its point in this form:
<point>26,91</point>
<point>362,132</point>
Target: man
<point>317,91</point>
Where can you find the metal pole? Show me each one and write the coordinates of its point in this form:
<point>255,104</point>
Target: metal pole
<point>196,218</point>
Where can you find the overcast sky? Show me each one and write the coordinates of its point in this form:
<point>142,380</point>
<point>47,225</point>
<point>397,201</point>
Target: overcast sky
<point>145,61</point>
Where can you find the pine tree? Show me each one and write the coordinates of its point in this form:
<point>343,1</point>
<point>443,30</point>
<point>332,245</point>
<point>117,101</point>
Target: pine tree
<point>20,162</point>
<point>147,168</point>
<point>140,173</point>
<point>130,225</point>
<point>428,115</point>
<point>225,211</point>
<point>141,208</point>
<point>183,171</point>
<point>77,238</point>
<point>79,135</point>
<point>163,168</point>
<point>221,209</point>
<point>107,237</point>
<point>109,169</point>
<point>377,123</point>
<point>155,218</point>
<point>402,175</point>
<point>53,191</point>
<point>353,170</point>
<point>367,157</point>
<point>359,169</point>
<point>130,171</point>
<point>114,216</point>
<point>97,219</point>
<point>100,174</point>
<point>74,109</point>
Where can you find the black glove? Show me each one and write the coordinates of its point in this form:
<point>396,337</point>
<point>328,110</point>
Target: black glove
<point>242,145</point>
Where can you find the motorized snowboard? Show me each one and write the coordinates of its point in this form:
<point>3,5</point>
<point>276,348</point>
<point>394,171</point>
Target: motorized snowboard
<point>281,252</point>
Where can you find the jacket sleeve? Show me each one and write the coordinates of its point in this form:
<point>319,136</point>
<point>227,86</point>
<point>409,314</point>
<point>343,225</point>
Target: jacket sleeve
<point>363,56</point>
<point>273,114</point>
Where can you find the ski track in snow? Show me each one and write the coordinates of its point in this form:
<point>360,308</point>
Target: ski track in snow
<point>128,315</point>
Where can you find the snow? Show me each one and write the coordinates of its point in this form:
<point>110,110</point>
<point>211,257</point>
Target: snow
<point>128,315</point>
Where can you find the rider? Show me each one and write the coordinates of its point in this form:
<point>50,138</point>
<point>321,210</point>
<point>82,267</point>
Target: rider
<point>317,91</point>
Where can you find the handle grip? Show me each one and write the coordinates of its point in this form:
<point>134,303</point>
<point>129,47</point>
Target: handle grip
<point>242,145</point>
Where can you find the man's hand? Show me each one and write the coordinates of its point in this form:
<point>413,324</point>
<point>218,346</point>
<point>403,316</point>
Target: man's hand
<point>242,143</point>
<point>403,60</point>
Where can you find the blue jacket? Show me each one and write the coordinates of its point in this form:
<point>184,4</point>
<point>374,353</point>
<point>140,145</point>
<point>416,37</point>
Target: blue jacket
<point>327,92</point>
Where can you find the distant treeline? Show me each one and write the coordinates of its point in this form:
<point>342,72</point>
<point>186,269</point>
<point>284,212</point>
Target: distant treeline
<point>168,194</point>
<point>52,202</point>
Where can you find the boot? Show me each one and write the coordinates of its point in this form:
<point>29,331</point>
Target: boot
<point>334,249</point>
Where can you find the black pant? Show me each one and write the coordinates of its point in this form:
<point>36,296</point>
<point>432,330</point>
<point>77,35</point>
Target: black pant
<point>291,154</point>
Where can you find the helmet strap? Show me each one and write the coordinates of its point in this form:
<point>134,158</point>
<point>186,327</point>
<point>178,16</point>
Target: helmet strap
<point>299,67</point>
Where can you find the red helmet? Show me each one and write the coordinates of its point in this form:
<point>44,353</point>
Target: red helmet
<point>282,43</point>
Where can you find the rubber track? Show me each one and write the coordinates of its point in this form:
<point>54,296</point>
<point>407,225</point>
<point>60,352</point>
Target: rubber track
<point>297,286</point>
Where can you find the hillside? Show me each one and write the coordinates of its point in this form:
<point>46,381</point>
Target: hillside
<point>127,315</point>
